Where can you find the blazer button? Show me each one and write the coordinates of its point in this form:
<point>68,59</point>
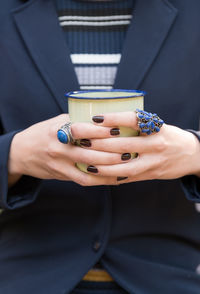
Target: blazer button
<point>97,246</point>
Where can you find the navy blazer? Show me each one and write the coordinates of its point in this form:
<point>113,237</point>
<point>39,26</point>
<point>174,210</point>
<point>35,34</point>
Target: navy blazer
<point>146,234</point>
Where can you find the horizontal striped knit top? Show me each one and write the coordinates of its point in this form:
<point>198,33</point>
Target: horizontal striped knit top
<point>95,33</point>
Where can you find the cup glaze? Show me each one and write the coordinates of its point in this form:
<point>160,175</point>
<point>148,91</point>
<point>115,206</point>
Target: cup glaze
<point>83,105</point>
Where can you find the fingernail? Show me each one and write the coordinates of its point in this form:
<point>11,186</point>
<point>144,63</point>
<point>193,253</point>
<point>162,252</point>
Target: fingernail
<point>121,178</point>
<point>115,131</point>
<point>98,119</point>
<point>85,143</point>
<point>126,156</point>
<point>92,169</point>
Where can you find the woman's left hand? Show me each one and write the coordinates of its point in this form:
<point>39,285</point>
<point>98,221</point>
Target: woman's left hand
<point>168,154</point>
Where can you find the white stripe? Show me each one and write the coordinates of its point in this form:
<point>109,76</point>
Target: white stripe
<point>95,87</point>
<point>95,58</point>
<point>98,24</point>
<point>99,18</point>
<point>96,75</point>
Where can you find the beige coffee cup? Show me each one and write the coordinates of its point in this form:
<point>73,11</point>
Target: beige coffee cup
<point>83,105</point>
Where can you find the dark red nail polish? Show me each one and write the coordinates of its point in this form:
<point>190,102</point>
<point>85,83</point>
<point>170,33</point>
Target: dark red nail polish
<point>98,119</point>
<point>121,178</point>
<point>115,131</point>
<point>85,143</point>
<point>92,169</point>
<point>126,156</point>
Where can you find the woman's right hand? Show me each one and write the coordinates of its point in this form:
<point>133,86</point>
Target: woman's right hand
<point>37,152</point>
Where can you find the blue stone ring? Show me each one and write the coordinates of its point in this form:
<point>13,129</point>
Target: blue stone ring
<point>148,122</point>
<point>64,134</point>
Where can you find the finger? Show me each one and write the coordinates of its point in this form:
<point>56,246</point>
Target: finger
<point>123,119</point>
<point>88,130</point>
<point>85,179</point>
<point>146,176</point>
<point>80,130</point>
<point>130,169</point>
<point>139,144</point>
<point>150,173</point>
<point>58,151</point>
<point>94,157</point>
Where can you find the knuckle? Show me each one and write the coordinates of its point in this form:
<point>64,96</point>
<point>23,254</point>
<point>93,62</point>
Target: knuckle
<point>154,174</point>
<point>109,119</point>
<point>83,181</point>
<point>84,157</point>
<point>52,151</point>
<point>117,159</point>
<point>124,148</point>
<point>161,144</point>
<point>133,171</point>
<point>160,174</point>
<point>127,146</point>
<point>53,131</point>
<point>53,167</point>
<point>101,145</point>
<point>111,159</point>
<point>76,130</point>
<point>130,171</point>
<point>156,170</point>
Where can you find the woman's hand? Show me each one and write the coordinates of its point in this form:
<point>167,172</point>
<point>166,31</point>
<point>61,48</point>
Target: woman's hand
<point>37,152</point>
<point>169,154</point>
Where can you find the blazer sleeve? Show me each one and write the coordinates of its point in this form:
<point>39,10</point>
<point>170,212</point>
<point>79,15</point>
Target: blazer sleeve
<point>26,189</point>
<point>191,184</point>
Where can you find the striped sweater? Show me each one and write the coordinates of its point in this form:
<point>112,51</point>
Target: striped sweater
<point>95,33</point>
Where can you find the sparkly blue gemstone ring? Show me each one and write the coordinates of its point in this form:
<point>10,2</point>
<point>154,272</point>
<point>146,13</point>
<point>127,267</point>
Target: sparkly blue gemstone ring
<point>148,122</point>
<point>64,134</point>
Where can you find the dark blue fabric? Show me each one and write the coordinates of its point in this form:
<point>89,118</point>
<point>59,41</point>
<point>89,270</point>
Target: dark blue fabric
<point>26,189</point>
<point>148,232</point>
<point>96,42</point>
<point>73,5</point>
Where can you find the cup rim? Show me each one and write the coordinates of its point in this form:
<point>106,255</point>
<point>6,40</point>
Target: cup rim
<point>137,93</point>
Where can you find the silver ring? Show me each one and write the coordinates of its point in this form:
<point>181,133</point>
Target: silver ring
<point>64,134</point>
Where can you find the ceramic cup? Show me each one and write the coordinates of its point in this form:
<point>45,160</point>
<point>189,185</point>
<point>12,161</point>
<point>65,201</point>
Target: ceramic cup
<point>83,105</point>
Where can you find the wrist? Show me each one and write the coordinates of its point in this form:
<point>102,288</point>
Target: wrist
<point>196,138</point>
<point>14,159</point>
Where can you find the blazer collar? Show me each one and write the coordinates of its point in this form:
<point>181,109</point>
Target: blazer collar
<point>37,22</point>
<point>38,25</point>
<point>151,23</point>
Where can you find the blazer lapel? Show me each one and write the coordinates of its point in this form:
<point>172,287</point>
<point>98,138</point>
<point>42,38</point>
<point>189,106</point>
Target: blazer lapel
<point>38,25</point>
<point>152,20</point>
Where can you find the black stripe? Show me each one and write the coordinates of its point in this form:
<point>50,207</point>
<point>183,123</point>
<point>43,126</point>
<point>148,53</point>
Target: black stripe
<point>94,12</point>
<point>84,28</point>
<point>96,20</point>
